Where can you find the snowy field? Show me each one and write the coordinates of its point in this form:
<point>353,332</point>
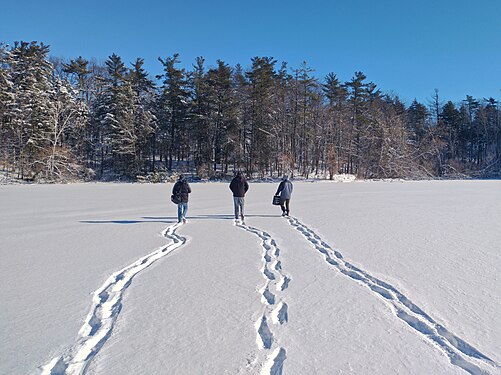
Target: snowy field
<point>364,278</point>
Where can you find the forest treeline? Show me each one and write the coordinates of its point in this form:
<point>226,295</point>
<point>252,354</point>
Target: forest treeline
<point>62,120</point>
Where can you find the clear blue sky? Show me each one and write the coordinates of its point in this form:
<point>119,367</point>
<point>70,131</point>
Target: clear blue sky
<point>406,47</point>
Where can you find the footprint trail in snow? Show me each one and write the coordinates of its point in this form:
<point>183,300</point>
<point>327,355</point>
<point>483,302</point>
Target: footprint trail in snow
<point>275,310</point>
<point>459,352</point>
<point>106,306</point>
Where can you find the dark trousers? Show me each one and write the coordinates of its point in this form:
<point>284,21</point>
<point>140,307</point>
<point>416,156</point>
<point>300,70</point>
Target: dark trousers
<point>284,204</point>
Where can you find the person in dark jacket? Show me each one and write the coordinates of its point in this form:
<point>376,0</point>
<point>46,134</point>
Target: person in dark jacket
<point>285,192</point>
<point>239,187</point>
<point>181,190</point>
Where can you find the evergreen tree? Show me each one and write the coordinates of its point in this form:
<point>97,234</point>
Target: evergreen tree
<point>304,87</point>
<point>114,119</point>
<point>199,117</point>
<point>31,88</point>
<point>173,112</point>
<point>261,79</point>
<point>6,102</point>
<point>336,95</point>
<point>79,70</point>
<point>451,124</point>
<point>471,132</point>
<point>494,133</point>
<point>241,95</point>
<point>283,141</point>
<point>56,117</point>
<point>223,116</point>
<point>358,92</point>
<point>145,120</point>
<point>481,129</point>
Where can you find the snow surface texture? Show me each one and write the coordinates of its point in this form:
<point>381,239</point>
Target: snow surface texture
<point>364,278</point>
<point>106,305</point>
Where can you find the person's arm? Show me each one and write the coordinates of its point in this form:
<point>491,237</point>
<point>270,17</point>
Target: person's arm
<point>175,189</point>
<point>246,186</point>
<point>280,188</point>
<point>189,188</point>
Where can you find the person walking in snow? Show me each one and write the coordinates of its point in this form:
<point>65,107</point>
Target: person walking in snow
<point>285,192</point>
<point>239,187</point>
<point>181,191</point>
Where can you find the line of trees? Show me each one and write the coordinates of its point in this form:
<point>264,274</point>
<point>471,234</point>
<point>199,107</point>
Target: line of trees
<point>81,119</point>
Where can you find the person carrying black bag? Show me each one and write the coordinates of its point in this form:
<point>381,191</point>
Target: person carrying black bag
<point>285,193</point>
<point>180,195</point>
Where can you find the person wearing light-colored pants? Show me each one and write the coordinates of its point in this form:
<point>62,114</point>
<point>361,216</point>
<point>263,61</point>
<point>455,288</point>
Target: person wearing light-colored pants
<point>238,203</point>
<point>239,187</point>
<point>182,210</point>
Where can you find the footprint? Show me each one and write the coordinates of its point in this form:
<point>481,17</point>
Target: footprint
<point>283,283</point>
<point>405,309</point>
<point>105,308</point>
<point>268,297</point>
<point>264,335</point>
<point>272,270</point>
<point>280,313</point>
<point>275,362</point>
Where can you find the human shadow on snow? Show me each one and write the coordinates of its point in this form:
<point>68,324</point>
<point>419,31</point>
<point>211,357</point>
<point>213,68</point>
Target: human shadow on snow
<point>168,219</point>
<point>206,217</point>
<point>165,220</point>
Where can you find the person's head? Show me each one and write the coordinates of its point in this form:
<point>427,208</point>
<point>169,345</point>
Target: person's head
<point>239,174</point>
<point>181,177</point>
<point>285,177</point>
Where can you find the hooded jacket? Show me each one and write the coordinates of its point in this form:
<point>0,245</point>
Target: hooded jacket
<point>182,188</point>
<point>239,186</point>
<point>285,189</point>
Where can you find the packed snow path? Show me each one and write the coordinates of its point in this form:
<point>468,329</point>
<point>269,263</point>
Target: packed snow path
<point>106,306</point>
<point>460,353</point>
<point>435,242</point>
<point>274,307</point>
<point>270,360</point>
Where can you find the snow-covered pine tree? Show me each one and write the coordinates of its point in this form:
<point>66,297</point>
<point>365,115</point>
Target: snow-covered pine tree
<point>145,121</point>
<point>88,78</point>
<point>261,79</point>
<point>173,110</point>
<point>199,118</point>
<point>281,124</point>
<point>6,136</point>
<point>29,112</point>
<point>335,94</point>
<point>78,70</point>
<point>223,116</point>
<point>114,117</point>
<point>306,97</point>
<point>451,127</point>
<point>494,133</point>
<point>102,117</point>
<point>241,89</point>
<point>358,94</point>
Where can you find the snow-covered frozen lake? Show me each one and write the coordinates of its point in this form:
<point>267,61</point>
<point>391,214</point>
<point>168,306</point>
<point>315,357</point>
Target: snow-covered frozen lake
<point>364,278</point>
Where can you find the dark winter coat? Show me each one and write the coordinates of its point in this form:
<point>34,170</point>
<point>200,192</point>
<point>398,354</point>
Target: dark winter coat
<point>182,188</point>
<point>285,189</point>
<point>239,186</point>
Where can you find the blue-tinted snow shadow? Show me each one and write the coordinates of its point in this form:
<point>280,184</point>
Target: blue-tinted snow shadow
<point>169,219</point>
<point>208,217</point>
<point>165,220</point>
